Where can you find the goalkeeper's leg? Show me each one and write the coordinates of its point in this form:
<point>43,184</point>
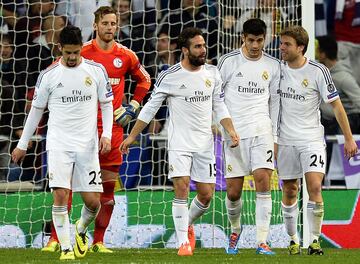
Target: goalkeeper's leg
<point>107,207</point>
<point>53,245</point>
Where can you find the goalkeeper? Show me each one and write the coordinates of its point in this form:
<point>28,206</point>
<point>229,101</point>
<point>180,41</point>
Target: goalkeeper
<point>118,61</point>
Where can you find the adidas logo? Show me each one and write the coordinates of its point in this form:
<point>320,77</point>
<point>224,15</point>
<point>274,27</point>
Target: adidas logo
<point>239,74</point>
<point>60,85</point>
<point>182,87</point>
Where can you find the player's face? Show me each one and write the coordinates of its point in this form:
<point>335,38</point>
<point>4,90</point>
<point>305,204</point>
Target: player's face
<point>253,45</point>
<point>71,55</point>
<point>197,51</point>
<point>106,28</point>
<point>290,51</point>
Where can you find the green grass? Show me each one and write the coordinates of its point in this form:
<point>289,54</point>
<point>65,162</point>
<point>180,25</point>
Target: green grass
<point>206,256</point>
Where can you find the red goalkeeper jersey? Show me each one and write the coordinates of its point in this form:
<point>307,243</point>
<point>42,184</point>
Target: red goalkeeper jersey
<point>118,62</point>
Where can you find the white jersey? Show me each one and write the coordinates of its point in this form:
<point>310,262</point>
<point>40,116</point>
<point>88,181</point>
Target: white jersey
<point>72,96</point>
<point>301,92</point>
<point>191,97</point>
<point>248,86</point>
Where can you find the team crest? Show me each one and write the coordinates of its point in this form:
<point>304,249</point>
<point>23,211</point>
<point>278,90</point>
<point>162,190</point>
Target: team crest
<point>265,75</point>
<point>117,63</point>
<point>331,88</point>
<point>305,83</point>
<point>229,168</point>
<point>88,81</point>
<point>207,83</point>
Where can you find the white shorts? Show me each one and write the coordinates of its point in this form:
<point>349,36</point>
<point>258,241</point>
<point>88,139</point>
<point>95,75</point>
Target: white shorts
<point>251,154</point>
<point>294,161</point>
<point>76,171</point>
<point>199,166</point>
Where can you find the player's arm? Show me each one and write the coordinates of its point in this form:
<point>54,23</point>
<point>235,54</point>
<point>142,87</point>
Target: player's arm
<point>350,147</point>
<point>39,102</point>
<point>31,124</point>
<point>124,114</point>
<point>105,96</point>
<point>221,111</point>
<point>274,101</point>
<point>158,95</point>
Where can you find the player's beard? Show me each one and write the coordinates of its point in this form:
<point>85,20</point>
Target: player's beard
<point>106,37</point>
<point>196,60</point>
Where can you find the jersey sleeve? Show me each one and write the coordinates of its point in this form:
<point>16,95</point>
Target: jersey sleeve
<point>159,94</point>
<point>41,94</point>
<point>326,85</point>
<point>222,69</point>
<point>140,75</point>
<point>105,93</point>
<point>219,106</point>
<point>274,101</point>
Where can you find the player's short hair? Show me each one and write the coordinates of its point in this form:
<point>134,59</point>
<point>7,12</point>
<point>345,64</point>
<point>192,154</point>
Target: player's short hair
<point>186,35</point>
<point>254,26</point>
<point>299,34</point>
<point>328,45</point>
<point>70,35</point>
<point>103,11</point>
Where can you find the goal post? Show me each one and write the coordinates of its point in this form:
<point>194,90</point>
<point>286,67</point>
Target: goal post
<point>142,214</point>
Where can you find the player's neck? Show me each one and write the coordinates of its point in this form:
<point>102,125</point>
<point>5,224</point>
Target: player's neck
<point>248,57</point>
<point>105,45</point>
<point>297,63</point>
<point>188,66</point>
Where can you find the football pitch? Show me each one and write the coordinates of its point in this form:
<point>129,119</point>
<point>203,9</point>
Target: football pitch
<point>206,256</point>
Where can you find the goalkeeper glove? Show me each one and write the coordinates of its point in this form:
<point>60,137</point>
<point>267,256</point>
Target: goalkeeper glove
<point>124,114</point>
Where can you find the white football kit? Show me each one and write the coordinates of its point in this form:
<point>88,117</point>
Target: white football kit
<point>300,132</point>
<point>250,88</point>
<point>72,95</point>
<point>191,98</point>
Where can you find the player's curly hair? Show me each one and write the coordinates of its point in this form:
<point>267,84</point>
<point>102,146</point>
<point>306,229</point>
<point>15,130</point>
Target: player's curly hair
<point>70,35</point>
<point>186,35</point>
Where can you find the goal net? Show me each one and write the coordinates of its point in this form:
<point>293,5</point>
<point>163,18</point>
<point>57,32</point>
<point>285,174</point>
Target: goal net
<point>142,214</point>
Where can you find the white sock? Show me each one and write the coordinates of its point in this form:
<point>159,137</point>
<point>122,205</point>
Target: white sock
<point>263,216</point>
<point>180,213</point>
<point>62,226</point>
<point>196,210</point>
<point>234,214</point>
<point>315,213</point>
<point>290,216</point>
<point>87,216</point>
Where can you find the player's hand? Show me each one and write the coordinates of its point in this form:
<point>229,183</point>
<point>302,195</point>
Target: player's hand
<point>104,145</point>
<point>18,155</point>
<point>124,114</point>
<point>234,138</point>
<point>350,148</point>
<point>124,146</point>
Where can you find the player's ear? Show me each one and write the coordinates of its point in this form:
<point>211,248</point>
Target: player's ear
<point>242,38</point>
<point>59,46</point>
<point>95,26</point>
<point>185,51</point>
